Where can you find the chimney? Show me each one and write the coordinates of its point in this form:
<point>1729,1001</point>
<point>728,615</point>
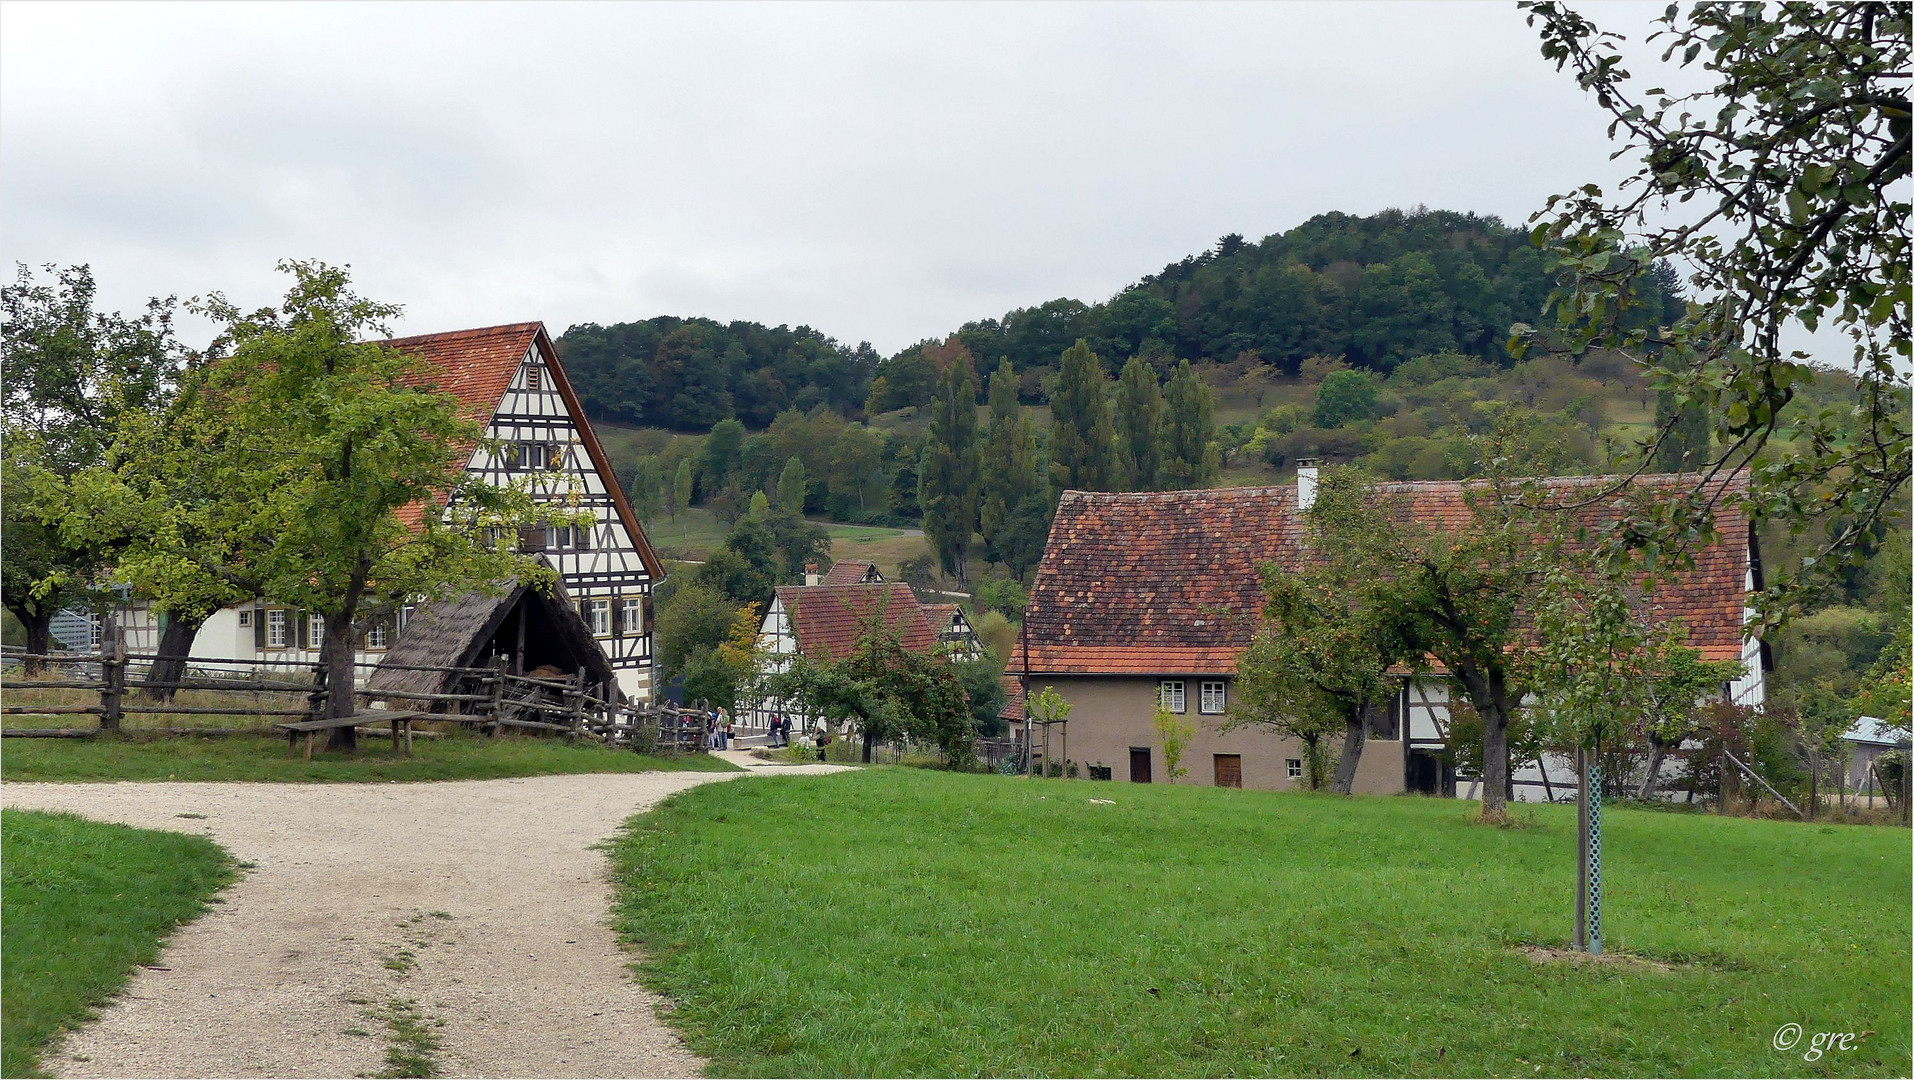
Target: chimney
<point>811,576</point>
<point>1306,473</point>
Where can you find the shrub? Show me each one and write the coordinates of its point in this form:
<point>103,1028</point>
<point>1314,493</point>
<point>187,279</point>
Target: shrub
<point>1006,595</point>
<point>1345,397</point>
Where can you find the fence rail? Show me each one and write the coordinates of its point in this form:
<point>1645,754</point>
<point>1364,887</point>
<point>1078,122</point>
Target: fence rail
<point>489,698</point>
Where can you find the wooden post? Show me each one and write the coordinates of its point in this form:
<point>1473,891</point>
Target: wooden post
<point>1814,781</point>
<point>578,703</point>
<point>112,674</point>
<point>500,663</point>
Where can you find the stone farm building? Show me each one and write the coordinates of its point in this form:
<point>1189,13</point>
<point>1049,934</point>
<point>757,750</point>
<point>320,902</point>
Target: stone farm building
<point>509,379</point>
<point>1150,597</point>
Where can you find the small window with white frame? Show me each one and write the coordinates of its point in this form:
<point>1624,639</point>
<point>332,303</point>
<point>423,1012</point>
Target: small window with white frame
<point>245,617</point>
<point>277,627</point>
<point>1214,698</point>
<point>376,636</point>
<point>633,615</point>
<point>316,626</point>
<point>1169,694</point>
<point>1294,767</point>
<point>601,618</point>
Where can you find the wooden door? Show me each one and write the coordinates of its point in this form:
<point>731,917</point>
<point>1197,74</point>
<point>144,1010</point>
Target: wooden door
<point>1139,764</point>
<point>1229,770</point>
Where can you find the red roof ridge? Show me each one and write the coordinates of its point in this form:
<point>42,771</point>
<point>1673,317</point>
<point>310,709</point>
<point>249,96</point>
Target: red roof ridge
<point>476,331</point>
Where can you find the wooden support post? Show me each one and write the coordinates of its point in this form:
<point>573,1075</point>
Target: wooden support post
<point>112,674</point>
<point>578,703</point>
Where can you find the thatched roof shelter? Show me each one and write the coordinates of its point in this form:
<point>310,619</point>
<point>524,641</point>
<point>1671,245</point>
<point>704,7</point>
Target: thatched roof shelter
<point>530,626</point>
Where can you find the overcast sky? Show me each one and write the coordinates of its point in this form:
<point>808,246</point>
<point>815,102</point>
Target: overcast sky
<point>878,172</point>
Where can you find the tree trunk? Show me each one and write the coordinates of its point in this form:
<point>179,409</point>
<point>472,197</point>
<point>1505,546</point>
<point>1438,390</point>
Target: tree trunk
<point>1355,733</point>
<point>39,625</point>
<point>867,744</point>
<point>1495,765</point>
<point>1488,691</point>
<point>1656,750</point>
<point>169,663</point>
<point>336,655</point>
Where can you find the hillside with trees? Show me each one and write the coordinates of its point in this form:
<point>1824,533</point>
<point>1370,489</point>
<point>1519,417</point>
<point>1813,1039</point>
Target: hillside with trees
<point>1380,341</point>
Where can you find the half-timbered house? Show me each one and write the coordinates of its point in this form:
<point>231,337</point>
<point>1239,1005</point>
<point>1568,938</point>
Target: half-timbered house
<point>1150,598</point>
<point>509,379</point>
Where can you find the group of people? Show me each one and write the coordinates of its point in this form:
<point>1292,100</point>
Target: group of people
<point>781,734</point>
<point>720,729</point>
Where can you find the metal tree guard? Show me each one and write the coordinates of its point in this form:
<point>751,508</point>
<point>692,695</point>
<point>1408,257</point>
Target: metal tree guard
<point>1588,817</point>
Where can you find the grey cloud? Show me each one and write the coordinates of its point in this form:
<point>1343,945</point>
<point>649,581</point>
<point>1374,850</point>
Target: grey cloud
<point>881,172</point>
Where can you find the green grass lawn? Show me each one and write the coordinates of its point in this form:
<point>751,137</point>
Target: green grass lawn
<point>85,903</point>
<point>896,922</point>
<point>455,757</point>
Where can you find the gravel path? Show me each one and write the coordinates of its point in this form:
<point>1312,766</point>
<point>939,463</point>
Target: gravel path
<point>474,910</point>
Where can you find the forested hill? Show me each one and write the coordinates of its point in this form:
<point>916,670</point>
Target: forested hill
<point>1374,291</point>
<point>691,373</point>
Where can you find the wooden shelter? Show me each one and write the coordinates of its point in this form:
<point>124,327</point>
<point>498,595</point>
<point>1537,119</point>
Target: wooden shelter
<point>522,627</point>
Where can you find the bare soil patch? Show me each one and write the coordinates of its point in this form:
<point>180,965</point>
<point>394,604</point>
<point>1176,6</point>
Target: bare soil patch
<point>1543,955</point>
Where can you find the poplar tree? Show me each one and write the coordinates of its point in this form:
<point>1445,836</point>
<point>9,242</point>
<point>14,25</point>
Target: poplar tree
<point>1190,457</point>
<point>791,487</point>
<point>1082,436</point>
<point>1009,461</point>
<point>1139,412</point>
<point>948,475</point>
<point>681,488</point>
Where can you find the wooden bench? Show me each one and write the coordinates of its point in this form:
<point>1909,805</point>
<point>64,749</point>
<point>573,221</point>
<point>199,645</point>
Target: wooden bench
<point>401,723</point>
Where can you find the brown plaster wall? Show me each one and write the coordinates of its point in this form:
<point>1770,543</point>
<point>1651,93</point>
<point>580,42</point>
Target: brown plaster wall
<point>1109,715</point>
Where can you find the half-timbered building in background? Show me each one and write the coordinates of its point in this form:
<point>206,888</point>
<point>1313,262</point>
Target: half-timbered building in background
<point>509,379</point>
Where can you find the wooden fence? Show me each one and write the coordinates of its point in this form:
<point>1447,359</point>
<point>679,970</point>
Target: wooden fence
<point>490,699</point>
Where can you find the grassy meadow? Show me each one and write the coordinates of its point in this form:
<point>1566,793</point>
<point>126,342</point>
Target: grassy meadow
<point>85,903</point>
<point>697,532</point>
<point>899,922</point>
<point>452,756</point>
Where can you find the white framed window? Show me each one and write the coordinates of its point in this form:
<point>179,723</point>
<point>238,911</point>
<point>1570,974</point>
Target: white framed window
<point>1294,767</point>
<point>1213,699</point>
<point>316,627</point>
<point>558,537</point>
<point>278,628</point>
<point>632,615</point>
<point>376,636</point>
<point>601,618</point>
<point>1169,694</point>
<point>245,616</point>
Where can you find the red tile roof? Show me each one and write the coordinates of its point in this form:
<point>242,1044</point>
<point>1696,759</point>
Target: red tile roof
<point>940,616</point>
<point>476,366</point>
<point>827,619</point>
<point>849,572</point>
<point>1166,583</point>
<point>1013,698</point>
